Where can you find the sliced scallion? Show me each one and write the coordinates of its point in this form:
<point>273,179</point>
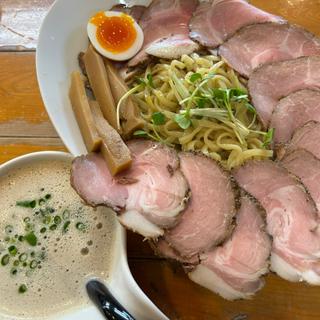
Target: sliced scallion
<point>80,226</point>
<point>53,227</point>
<point>23,257</point>
<point>8,229</point>
<point>33,264</point>
<point>57,220</point>
<point>14,271</point>
<point>13,250</point>
<point>23,288</point>
<point>66,226</point>
<point>66,214</point>
<point>31,239</point>
<point>5,260</point>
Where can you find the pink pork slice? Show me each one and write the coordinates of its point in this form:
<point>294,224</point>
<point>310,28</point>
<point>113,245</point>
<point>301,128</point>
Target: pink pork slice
<point>217,20</point>
<point>293,112</point>
<point>207,220</point>
<point>235,269</point>
<point>165,24</point>
<point>148,197</point>
<point>270,83</point>
<point>307,137</point>
<point>259,44</point>
<point>306,166</point>
<point>292,219</point>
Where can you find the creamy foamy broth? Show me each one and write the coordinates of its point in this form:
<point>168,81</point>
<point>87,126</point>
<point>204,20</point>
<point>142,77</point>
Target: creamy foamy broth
<point>54,271</point>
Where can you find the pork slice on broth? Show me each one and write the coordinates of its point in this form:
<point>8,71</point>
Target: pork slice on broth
<point>306,166</point>
<point>165,24</point>
<point>293,112</point>
<point>215,21</point>
<point>260,44</point>
<point>307,137</point>
<point>269,83</point>
<point>207,220</point>
<point>147,197</point>
<point>292,219</point>
<point>234,270</point>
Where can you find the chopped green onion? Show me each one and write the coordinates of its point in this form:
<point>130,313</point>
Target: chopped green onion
<point>5,260</point>
<point>26,219</point>
<point>32,254</point>
<point>150,80</point>
<point>24,264</point>
<point>26,204</point>
<point>23,288</point>
<point>8,229</point>
<point>47,220</point>
<point>13,250</point>
<point>57,220</point>
<point>53,227</point>
<point>66,226</point>
<point>28,227</point>
<point>21,238</point>
<point>14,271</point>
<point>23,257</point>
<point>41,201</point>
<point>66,214</point>
<point>33,264</point>
<point>80,226</point>
<point>16,263</point>
<point>31,239</point>
<point>48,196</point>
<point>50,210</point>
<point>43,230</point>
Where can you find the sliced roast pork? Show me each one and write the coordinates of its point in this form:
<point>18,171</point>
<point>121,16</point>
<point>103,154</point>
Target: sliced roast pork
<point>234,270</point>
<point>207,220</point>
<point>269,83</point>
<point>216,20</point>
<point>165,25</point>
<point>292,219</point>
<point>306,166</point>
<point>148,197</point>
<point>259,44</point>
<point>294,111</point>
<point>307,137</point>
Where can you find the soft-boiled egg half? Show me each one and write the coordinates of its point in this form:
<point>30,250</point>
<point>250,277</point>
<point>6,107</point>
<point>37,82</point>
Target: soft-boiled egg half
<point>115,35</point>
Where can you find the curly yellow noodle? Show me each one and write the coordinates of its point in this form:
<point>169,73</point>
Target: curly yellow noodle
<point>215,139</point>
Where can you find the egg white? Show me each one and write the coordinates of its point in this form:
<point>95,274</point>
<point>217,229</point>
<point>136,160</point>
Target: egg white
<point>122,56</point>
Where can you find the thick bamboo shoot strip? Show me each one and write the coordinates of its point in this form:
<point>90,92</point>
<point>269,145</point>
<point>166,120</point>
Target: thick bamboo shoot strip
<point>113,148</point>
<point>129,111</point>
<point>81,109</point>
<point>100,85</point>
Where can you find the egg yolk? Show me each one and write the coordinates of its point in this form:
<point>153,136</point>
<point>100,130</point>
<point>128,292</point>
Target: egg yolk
<point>115,34</point>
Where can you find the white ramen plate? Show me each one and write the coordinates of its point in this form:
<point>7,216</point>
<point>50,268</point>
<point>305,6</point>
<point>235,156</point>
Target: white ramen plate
<point>62,36</point>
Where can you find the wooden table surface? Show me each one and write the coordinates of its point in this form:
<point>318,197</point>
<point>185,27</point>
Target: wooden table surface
<point>25,127</point>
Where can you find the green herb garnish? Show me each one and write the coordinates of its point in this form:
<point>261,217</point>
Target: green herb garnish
<point>5,260</point>
<point>53,227</point>
<point>66,214</point>
<point>23,288</point>
<point>194,77</point>
<point>31,239</point>
<point>26,204</point>
<point>14,271</point>
<point>140,133</point>
<point>183,120</point>
<point>33,264</point>
<point>66,226</point>
<point>80,226</point>
<point>48,196</point>
<point>268,138</point>
<point>57,220</point>
<point>158,118</point>
<point>23,257</point>
<point>13,250</point>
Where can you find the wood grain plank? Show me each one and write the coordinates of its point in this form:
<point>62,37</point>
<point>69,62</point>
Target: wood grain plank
<point>305,13</point>
<point>170,289</point>
<point>21,108</point>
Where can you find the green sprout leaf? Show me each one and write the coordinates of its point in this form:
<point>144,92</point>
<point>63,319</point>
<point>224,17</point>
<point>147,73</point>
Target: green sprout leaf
<point>183,121</point>
<point>150,80</point>
<point>158,118</point>
<point>140,133</point>
<point>268,138</point>
<point>194,77</point>
<point>251,108</point>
